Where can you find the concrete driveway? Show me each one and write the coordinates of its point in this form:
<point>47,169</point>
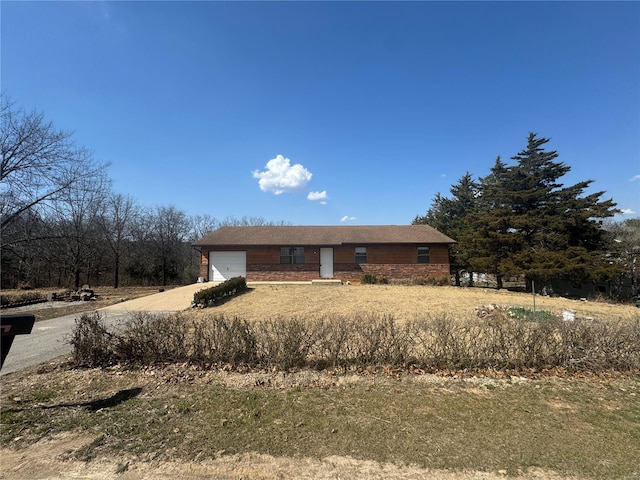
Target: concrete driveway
<point>49,338</point>
<point>174,300</point>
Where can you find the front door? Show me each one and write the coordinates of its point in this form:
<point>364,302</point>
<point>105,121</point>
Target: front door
<point>326,262</point>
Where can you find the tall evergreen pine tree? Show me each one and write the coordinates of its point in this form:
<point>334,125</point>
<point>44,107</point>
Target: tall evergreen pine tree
<point>520,219</point>
<point>531,224</point>
<point>449,216</point>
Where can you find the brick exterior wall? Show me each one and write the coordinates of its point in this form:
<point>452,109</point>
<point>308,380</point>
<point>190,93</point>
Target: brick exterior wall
<point>204,264</point>
<point>280,273</point>
<point>407,271</point>
<point>343,267</point>
<point>344,272</point>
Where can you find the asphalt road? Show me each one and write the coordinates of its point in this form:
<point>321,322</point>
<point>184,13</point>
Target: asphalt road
<point>49,338</point>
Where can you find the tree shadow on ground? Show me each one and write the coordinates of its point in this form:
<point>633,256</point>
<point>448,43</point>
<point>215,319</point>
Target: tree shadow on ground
<point>94,405</point>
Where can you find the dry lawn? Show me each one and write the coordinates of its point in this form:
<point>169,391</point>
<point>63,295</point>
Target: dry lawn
<point>183,424</point>
<point>186,424</point>
<point>403,302</point>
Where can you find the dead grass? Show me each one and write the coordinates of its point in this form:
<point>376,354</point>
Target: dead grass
<point>181,422</point>
<point>562,427</point>
<point>313,301</point>
<point>403,302</point>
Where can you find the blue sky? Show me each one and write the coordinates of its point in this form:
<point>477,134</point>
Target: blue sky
<point>330,112</point>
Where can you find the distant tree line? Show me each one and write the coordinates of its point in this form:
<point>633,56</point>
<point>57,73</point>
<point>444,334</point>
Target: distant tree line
<point>520,219</point>
<point>63,225</point>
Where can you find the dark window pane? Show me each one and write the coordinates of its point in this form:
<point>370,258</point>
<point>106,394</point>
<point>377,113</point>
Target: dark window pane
<point>361,255</point>
<point>423,255</point>
<point>289,255</point>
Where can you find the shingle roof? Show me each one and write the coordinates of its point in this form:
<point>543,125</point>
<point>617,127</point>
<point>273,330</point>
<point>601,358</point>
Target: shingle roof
<point>323,235</point>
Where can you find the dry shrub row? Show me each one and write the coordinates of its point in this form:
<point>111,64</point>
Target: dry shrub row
<point>21,298</point>
<point>360,341</point>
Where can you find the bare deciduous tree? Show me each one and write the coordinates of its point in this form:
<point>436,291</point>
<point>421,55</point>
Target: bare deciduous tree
<point>38,163</point>
<point>117,222</point>
<point>168,230</point>
<point>79,211</point>
<point>201,225</point>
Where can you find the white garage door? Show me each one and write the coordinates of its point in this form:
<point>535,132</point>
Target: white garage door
<point>226,265</point>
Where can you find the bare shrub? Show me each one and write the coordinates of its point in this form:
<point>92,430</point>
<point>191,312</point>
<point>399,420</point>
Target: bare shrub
<point>92,344</point>
<point>22,298</point>
<point>219,340</point>
<point>148,339</point>
<point>334,341</point>
<point>285,343</point>
<point>588,344</point>
<point>500,342</point>
<point>535,344</point>
<point>624,346</point>
<point>378,340</point>
<point>497,341</point>
<point>444,343</point>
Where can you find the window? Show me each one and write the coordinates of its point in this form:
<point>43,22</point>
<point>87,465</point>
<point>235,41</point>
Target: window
<point>361,255</point>
<point>423,255</point>
<point>291,255</point>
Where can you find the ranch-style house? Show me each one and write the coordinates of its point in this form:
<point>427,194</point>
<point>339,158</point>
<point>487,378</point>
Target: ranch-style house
<point>307,253</point>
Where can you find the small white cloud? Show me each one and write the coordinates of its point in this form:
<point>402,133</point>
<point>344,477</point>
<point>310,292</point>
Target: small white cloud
<point>627,211</point>
<point>634,178</point>
<point>315,196</point>
<point>280,176</point>
<point>347,218</point>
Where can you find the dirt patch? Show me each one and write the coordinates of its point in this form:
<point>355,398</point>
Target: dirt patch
<point>40,463</point>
